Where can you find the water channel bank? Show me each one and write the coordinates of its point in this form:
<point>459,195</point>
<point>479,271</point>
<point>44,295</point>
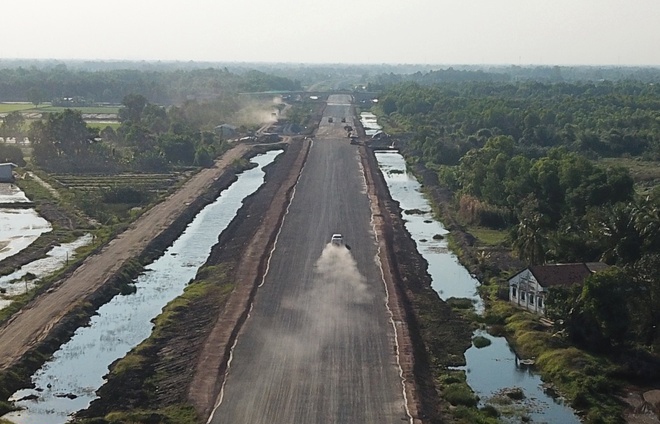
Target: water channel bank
<point>484,368</point>
<point>175,372</point>
<point>67,382</point>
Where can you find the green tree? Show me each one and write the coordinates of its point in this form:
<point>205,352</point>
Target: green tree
<point>134,105</point>
<point>530,241</point>
<point>35,96</point>
<point>617,234</point>
<point>605,301</point>
<point>11,153</point>
<point>12,126</point>
<point>647,310</point>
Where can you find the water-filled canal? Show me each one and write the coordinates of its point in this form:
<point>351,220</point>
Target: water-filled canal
<point>68,382</point>
<point>490,369</point>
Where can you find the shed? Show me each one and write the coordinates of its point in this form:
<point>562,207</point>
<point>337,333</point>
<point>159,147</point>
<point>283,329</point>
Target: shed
<point>528,289</point>
<point>7,172</point>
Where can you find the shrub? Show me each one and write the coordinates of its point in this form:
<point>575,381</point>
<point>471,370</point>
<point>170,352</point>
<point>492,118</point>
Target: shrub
<point>480,342</point>
<point>460,394</point>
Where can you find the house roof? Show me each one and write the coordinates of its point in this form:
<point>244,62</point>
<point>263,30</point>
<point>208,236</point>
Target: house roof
<point>561,274</point>
<point>565,275</point>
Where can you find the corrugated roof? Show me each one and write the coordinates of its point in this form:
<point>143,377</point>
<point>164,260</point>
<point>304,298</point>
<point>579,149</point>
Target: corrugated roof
<point>560,274</point>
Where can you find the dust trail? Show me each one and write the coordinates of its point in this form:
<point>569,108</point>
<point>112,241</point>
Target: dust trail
<point>331,304</point>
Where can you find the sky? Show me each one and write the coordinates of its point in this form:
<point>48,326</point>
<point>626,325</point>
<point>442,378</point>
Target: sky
<point>519,32</point>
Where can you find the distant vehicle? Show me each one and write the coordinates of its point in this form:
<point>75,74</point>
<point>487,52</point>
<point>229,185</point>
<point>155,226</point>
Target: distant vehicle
<point>337,240</point>
<point>343,119</point>
<point>330,120</point>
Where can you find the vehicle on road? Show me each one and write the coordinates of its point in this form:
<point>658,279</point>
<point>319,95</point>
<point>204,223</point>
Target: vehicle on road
<point>330,120</point>
<point>337,240</point>
<point>343,119</point>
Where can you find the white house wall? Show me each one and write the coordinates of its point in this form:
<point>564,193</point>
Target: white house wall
<point>525,292</point>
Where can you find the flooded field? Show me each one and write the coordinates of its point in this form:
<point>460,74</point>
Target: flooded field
<point>68,382</point>
<point>26,277</point>
<point>19,227</point>
<point>491,369</point>
<point>10,193</point>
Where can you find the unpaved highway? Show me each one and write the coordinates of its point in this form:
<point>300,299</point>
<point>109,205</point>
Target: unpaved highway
<point>319,345</point>
<point>32,324</point>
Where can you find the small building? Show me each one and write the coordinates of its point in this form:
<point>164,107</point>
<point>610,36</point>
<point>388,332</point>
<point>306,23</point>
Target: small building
<point>7,172</point>
<point>528,289</point>
<point>226,131</point>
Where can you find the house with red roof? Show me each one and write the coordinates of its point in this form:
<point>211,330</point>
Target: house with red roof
<point>528,289</point>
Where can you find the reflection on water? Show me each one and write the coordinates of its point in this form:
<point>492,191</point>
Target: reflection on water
<point>19,228</point>
<point>493,368</point>
<point>450,278</point>
<point>67,383</point>
<point>16,283</point>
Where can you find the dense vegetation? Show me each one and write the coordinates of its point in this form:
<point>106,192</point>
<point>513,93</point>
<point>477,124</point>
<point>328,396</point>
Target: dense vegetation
<point>149,139</point>
<point>525,159</point>
<point>37,85</point>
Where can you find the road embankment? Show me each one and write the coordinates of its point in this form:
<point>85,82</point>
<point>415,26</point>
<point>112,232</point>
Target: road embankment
<point>437,337</point>
<point>181,366</point>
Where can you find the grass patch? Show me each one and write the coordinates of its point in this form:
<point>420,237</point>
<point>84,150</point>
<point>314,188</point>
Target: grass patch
<point>211,281</point>
<point>489,236</point>
<point>103,125</point>
<point>13,107</point>
<point>460,394</point>
<point>645,174</point>
<point>82,109</point>
<point>179,414</point>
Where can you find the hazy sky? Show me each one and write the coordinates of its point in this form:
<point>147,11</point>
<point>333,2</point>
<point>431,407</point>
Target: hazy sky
<point>563,32</point>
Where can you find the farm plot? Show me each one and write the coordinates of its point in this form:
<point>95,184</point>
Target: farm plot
<point>116,198</point>
<point>156,183</point>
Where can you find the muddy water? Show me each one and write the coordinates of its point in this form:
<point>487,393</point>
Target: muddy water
<point>491,369</point>
<point>77,369</point>
<point>16,283</point>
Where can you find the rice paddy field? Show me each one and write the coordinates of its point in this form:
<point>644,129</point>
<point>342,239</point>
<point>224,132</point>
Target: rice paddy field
<point>47,107</point>
<point>155,183</point>
<point>12,107</point>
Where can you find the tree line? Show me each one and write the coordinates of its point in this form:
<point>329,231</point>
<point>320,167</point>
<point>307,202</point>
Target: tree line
<point>150,138</point>
<point>522,158</point>
<point>174,86</point>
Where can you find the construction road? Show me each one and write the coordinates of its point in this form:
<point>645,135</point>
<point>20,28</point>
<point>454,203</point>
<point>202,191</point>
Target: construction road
<point>319,345</point>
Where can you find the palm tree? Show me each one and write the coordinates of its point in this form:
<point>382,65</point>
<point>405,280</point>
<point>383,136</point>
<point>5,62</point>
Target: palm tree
<point>618,236</point>
<point>530,241</point>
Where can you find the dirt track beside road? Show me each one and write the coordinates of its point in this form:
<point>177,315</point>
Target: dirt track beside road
<point>33,324</point>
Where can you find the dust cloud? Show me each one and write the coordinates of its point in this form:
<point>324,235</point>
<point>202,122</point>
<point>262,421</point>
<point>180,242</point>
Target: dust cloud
<point>330,309</point>
<point>255,112</point>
